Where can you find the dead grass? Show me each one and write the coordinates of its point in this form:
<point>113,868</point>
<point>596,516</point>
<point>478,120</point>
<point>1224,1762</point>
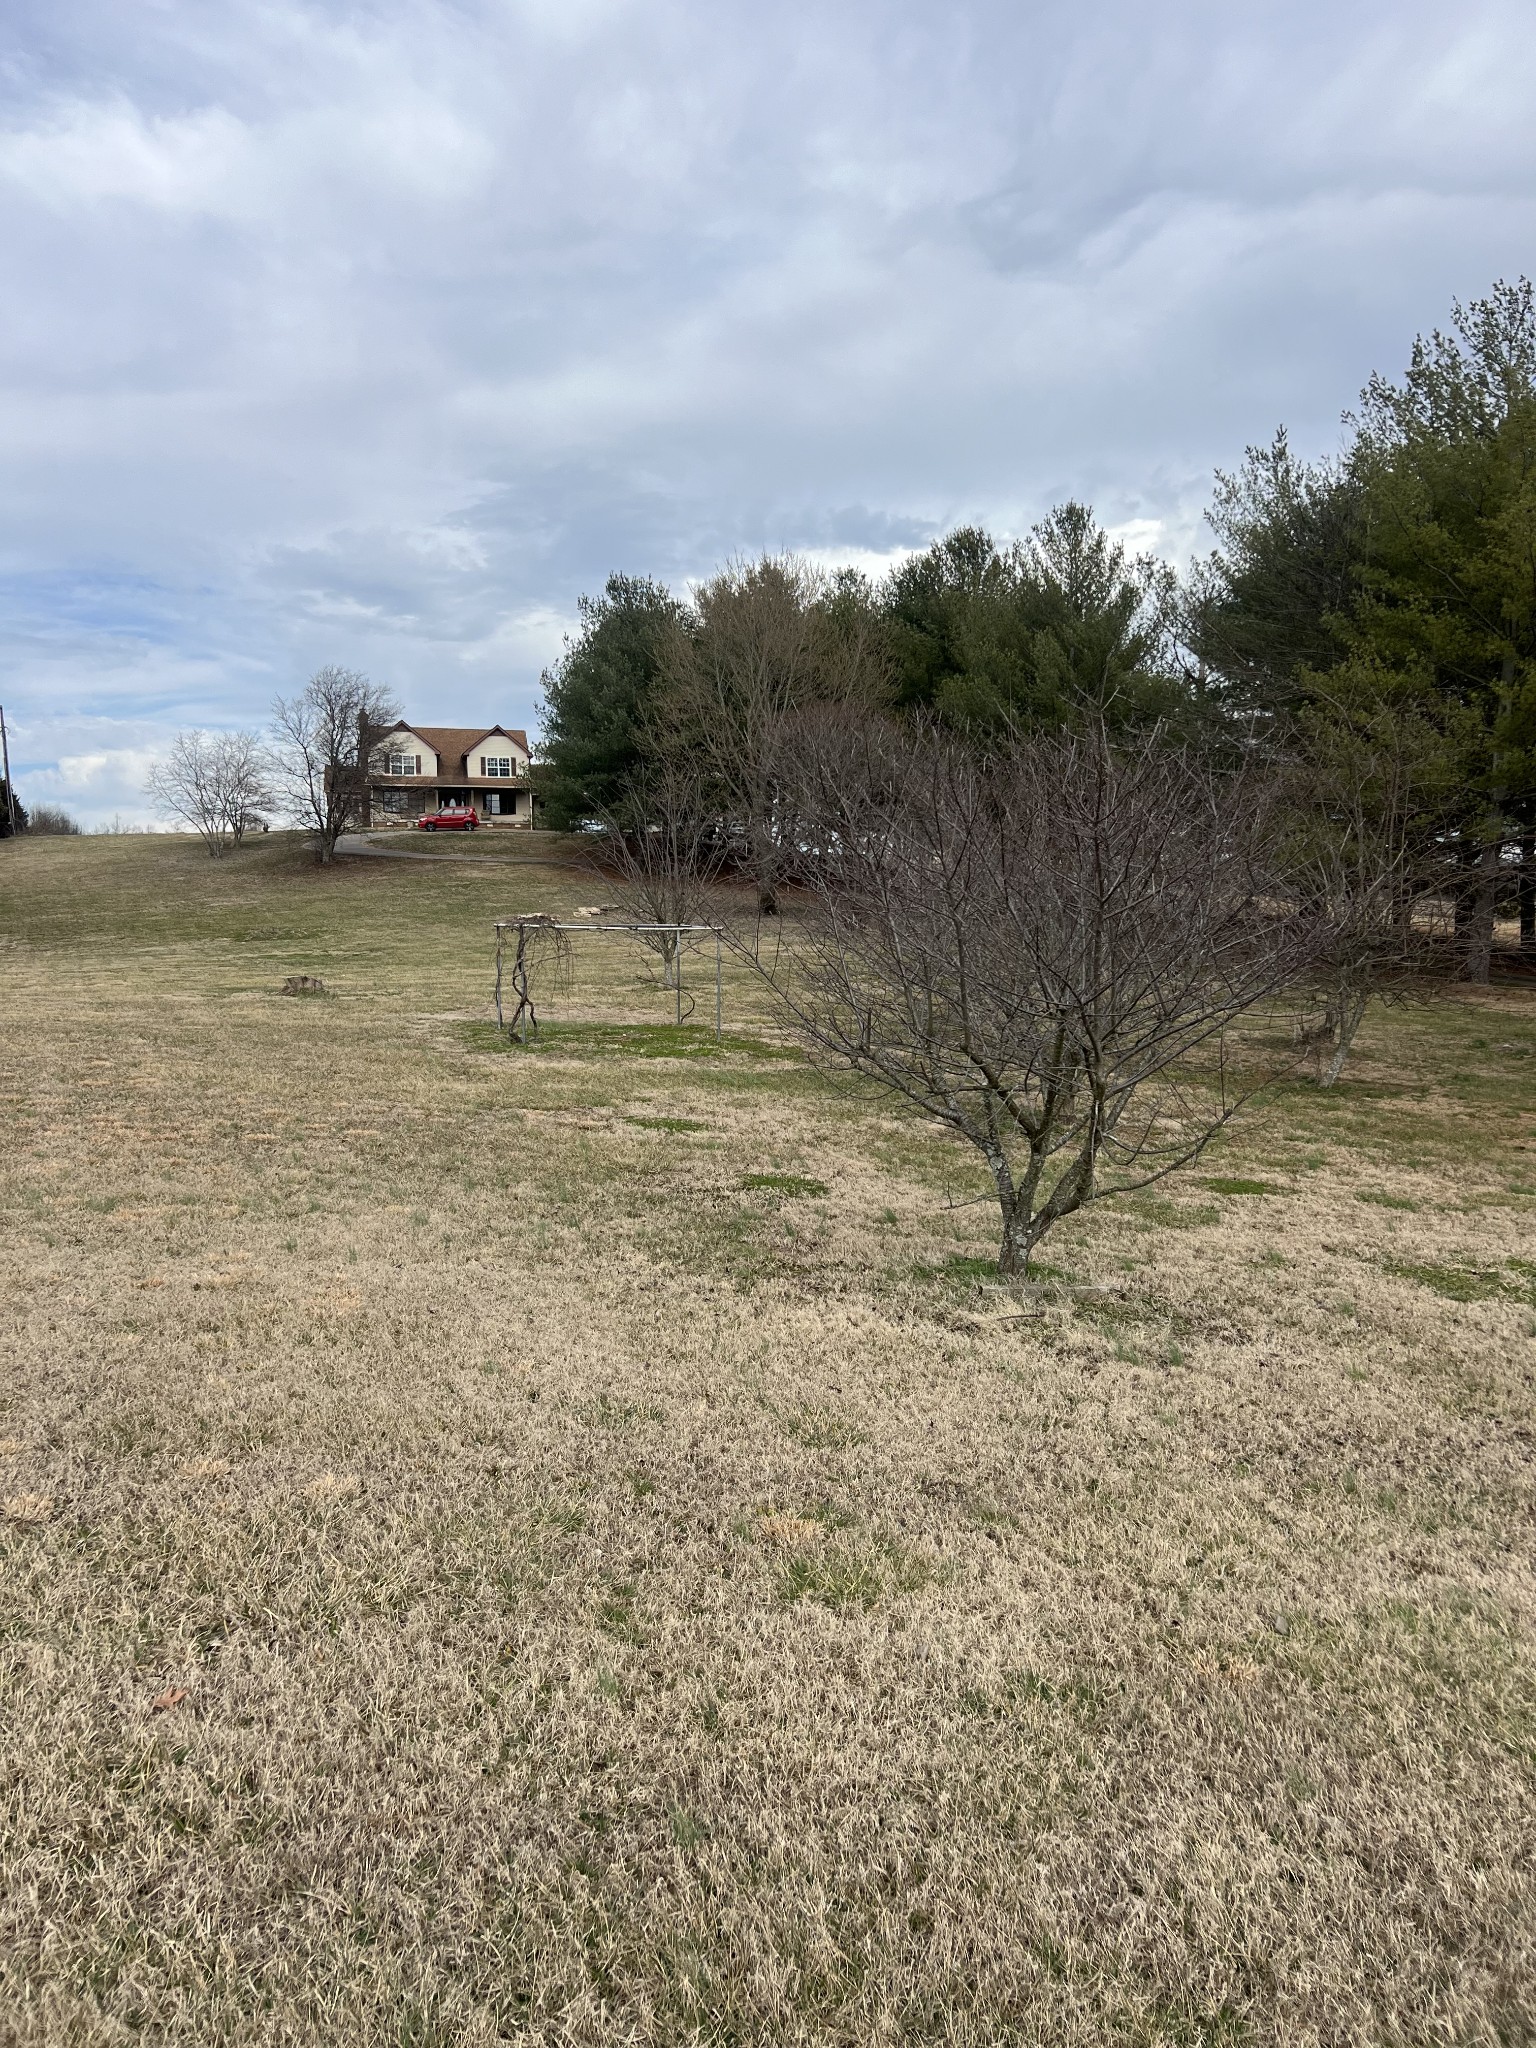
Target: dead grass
<point>492,1552</point>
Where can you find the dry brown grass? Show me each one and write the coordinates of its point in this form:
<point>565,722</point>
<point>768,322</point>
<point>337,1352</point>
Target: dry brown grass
<point>482,1563</point>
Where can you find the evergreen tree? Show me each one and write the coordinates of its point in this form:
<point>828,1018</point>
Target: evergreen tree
<point>1061,627</point>
<point>1395,589</point>
<point>925,604</point>
<point>597,698</point>
<point>1446,613</point>
<point>1262,613</point>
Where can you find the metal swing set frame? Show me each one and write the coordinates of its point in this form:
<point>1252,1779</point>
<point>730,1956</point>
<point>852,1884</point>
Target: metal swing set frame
<point>514,974</point>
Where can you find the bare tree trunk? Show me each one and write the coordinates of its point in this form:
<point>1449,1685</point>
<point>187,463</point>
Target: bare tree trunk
<point>764,855</point>
<point>1346,1009</point>
<point>1022,1229</point>
<point>1461,897</point>
<point>1020,1237</point>
<point>1481,909</point>
<point>1527,892</point>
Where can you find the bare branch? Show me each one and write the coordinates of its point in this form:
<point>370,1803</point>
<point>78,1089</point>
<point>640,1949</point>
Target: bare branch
<point>322,741</point>
<point>661,852</point>
<point>214,782</point>
<point>1043,949</point>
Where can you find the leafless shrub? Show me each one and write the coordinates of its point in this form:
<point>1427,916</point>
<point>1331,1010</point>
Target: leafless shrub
<point>323,739</point>
<point>1044,949</point>
<point>1366,803</point>
<point>660,853</point>
<point>216,782</point>
<point>50,820</point>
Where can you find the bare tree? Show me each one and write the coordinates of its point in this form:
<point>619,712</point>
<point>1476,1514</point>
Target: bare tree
<point>323,739</point>
<point>767,639</point>
<point>1044,949</point>
<point>214,782</point>
<point>246,772</point>
<point>52,821</point>
<point>1368,801</point>
<point>661,851</point>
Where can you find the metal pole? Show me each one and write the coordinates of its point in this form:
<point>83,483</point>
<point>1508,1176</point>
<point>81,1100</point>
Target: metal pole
<point>10,794</point>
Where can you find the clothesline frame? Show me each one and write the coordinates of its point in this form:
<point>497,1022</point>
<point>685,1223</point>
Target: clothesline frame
<point>525,1022</point>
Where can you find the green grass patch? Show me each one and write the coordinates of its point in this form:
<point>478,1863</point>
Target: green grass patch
<point>1455,1283</point>
<point>969,1267</point>
<point>629,1041</point>
<point>1381,1200</point>
<point>1244,1187</point>
<point>820,1430</point>
<point>850,1574</point>
<point>962,1266</point>
<point>1157,1212</point>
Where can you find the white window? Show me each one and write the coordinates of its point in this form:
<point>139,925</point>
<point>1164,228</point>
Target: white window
<point>404,764</point>
<point>496,766</point>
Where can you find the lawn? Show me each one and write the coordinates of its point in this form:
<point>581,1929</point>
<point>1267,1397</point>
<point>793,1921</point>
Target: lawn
<point>561,1547</point>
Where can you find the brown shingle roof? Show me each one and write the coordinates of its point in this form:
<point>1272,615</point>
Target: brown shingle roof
<point>452,743</point>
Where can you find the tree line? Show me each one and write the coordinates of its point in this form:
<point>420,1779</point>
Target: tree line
<point>1052,819</point>
<point>42,820</point>
<point>1364,631</point>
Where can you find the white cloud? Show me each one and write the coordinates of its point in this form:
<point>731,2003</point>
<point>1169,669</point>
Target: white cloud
<point>94,787</point>
<point>377,335</point>
<point>82,155</point>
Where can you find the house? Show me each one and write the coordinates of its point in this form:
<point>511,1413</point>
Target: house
<point>416,768</point>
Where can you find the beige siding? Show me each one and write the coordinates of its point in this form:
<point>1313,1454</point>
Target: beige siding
<point>506,751</point>
<point>405,743</point>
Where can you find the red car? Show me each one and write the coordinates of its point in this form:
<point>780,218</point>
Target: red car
<point>454,819</point>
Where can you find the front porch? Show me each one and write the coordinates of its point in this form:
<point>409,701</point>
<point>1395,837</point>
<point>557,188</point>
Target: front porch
<point>507,805</point>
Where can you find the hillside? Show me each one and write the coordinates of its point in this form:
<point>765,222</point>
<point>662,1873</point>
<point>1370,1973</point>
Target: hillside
<point>559,1546</point>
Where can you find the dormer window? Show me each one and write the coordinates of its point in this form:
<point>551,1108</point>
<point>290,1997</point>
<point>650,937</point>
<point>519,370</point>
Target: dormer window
<point>494,765</point>
<point>404,764</point>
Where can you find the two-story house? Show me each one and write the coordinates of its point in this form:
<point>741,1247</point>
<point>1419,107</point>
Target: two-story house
<point>417,768</point>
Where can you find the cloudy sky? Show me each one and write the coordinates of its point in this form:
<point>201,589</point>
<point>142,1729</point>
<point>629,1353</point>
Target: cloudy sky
<point>376,333</point>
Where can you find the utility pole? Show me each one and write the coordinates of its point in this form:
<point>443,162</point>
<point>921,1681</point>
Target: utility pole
<point>5,762</point>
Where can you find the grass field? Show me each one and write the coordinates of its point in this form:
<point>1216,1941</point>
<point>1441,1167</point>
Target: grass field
<point>557,1547</point>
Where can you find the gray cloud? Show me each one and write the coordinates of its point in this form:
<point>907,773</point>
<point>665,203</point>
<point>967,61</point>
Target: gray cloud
<point>377,333</point>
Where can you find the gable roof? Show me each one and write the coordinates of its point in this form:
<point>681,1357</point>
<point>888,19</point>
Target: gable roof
<point>452,744</point>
